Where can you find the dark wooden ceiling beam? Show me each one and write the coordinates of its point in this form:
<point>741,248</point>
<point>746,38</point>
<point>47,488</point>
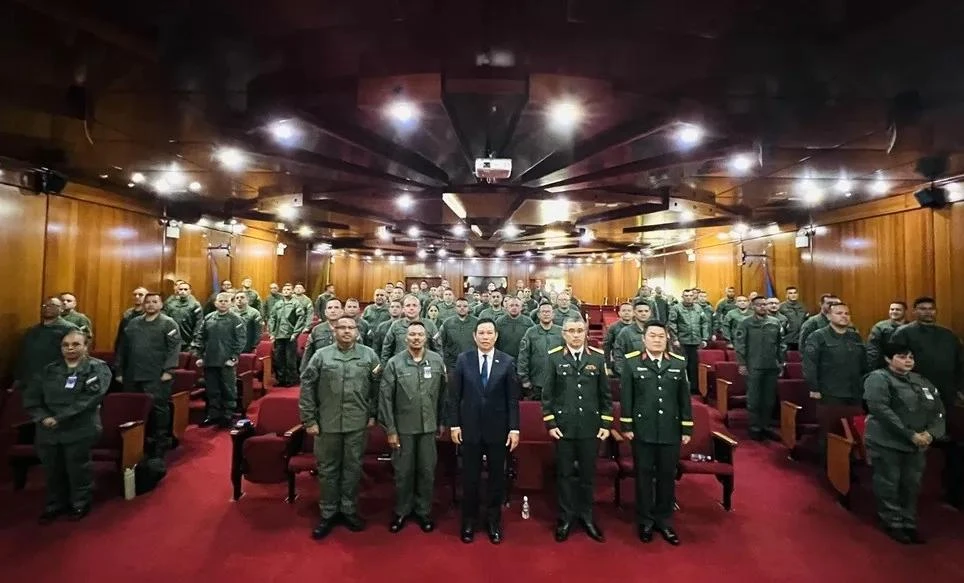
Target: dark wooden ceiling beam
<point>464,146</point>
<point>710,222</point>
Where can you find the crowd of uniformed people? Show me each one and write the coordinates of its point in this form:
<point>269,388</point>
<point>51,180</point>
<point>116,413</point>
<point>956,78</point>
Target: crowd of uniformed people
<point>394,363</point>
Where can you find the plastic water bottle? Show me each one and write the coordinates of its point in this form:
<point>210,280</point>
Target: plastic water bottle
<point>130,484</point>
<point>525,508</point>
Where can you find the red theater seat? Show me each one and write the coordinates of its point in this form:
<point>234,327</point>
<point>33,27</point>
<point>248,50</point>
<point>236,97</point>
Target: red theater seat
<point>263,371</point>
<point>793,370</point>
<point>730,388</point>
<point>261,450</point>
<point>245,381</point>
<point>301,343</point>
<point>706,370</point>
<point>798,414</point>
<point>534,456</point>
<point>710,440</point>
<point>794,356</point>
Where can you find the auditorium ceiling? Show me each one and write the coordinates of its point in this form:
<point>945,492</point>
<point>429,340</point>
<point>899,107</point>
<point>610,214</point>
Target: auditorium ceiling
<point>357,125</point>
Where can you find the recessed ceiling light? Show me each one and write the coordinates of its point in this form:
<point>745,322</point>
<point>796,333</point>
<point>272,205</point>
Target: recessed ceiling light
<point>741,163</point>
<point>689,134</point>
<point>687,216</point>
<point>565,114</point>
<point>500,252</point>
<point>458,230</point>
<point>810,191</point>
<point>137,178</point>
<point>741,228</point>
<point>378,252</point>
<point>469,252</point>
<point>194,186</point>
<point>528,254</point>
<point>510,231</point>
<point>879,186</point>
<point>404,201</point>
<point>306,231</point>
<point>755,233</point>
<point>231,158</point>
<point>412,232</point>
<point>287,211</point>
<point>843,185</point>
<point>402,111</point>
<point>773,229</point>
<point>284,131</point>
<point>104,176</point>
<point>422,253</point>
<point>129,184</point>
<point>587,236</point>
<point>442,252</point>
<point>162,186</point>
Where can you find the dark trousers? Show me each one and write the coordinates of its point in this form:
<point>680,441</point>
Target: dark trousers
<point>339,457</point>
<point>761,397</point>
<point>533,393</point>
<point>897,477</point>
<point>692,354</point>
<point>158,438</point>
<point>67,466</point>
<point>495,454</point>
<point>953,474</point>
<point>221,389</point>
<point>285,362</point>
<point>414,465</point>
<point>655,482</point>
<point>575,488</point>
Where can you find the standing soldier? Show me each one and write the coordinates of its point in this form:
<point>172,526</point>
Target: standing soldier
<point>512,328</point>
<point>253,323</point>
<point>63,400</point>
<point>690,330</point>
<point>564,309</point>
<point>338,402</point>
<point>796,314</point>
<point>577,408</point>
<point>410,403</point>
<point>703,300</point>
<point>657,419</point>
<point>304,301</point>
<point>834,365</point>
<point>773,310</point>
<point>630,339</point>
<point>186,311</point>
<point>732,318</point>
<point>494,311</point>
<point>446,306</point>
<point>625,319</point>
<point>286,322</point>
<point>906,416</point>
<point>226,287</point>
<point>881,333</point>
<point>254,298</point>
<point>395,335</point>
<point>378,333</point>
<point>129,314</point>
<point>533,363</point>
<point>323,299</point>
<point>353,310</point>
<point>219,341</point>
<point>73,316</point>
<point>817,321</point>
<point>761,352</point>
<point>41,343</point>
<point>723,307</point>
<point>323,334</point>
<point>145,364</point>
<point>457,333</point>
<point>274,296</point>
<point>377,312</point>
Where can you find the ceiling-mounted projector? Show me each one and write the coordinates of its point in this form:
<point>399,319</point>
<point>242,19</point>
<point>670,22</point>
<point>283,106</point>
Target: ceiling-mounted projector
<point>490,169</point>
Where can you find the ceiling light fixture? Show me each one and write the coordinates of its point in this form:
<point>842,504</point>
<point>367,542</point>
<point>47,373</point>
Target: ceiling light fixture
<point>194,186</point>
<point>510,231</point>
<point>469,252</point>
<point>287,211</point>
<point>879,186</point>
<point>689,134</point>
<point>378,252</point>
<point>412,232</point>
<point>528,254</point>
<point>174,176</point>
<point>810,191</point>
<point>404,201</point>
<point>843,185</point>
<point>442,253</point>
<point>137,178</point>
<point>500,252</point>
<point>458,230</point>
<point>284,131</point>
<point>421,253</point>
<point>306,231</point>
<point>384,234</point>
<point>687,216</point>
<point>741,163</point>
<point>231,158</point>
<point>402,111</point>
<point>565,114</point>
<point>162,186</point>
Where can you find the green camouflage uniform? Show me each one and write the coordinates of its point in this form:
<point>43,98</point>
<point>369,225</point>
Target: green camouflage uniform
<point>759,346</point>
<point>79,320</point>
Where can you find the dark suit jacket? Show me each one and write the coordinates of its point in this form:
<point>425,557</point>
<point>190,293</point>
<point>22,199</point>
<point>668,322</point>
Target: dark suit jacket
<point>485,415</point>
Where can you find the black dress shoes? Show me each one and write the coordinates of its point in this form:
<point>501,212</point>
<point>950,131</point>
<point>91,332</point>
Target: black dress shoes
<point>593,530</point>
<point>208,421</point>
<point>495,532</point>
<point>468,532</point>
<point>51,514</point>
<point>646,533</point>
<point>562,531</point>
<point>425,523</point>
<point>914,537</point>
<point>669,535</point>
<point>398,523</point>
<point>78,513</point>
<point>353,522</point>
<point>324,528</point>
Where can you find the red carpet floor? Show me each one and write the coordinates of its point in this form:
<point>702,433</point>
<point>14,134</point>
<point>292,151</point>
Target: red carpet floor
<point>785,527</point>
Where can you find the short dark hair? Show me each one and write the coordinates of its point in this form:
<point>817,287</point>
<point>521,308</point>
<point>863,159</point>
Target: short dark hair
<point>416,323</point>
<point>653,324</point>
<point>300,283</point>
<point>626,304</point>
<point>924,300</point>
<point>824,297</point>
<point>484,321</point>
<point>638,303</point>
<point>900,303</point>
<point>761,298</point>
<point>837,305</point>
<point>77,332</point>
<point>790,287</point>
<point>461,299</point>
<point>892,349</point>
<point>153,294</point>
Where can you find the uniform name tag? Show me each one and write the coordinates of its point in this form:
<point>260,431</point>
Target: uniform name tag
<point>674,370</point>
<point>427,372</point>
<point>927,393</point>
<point>71,383</point>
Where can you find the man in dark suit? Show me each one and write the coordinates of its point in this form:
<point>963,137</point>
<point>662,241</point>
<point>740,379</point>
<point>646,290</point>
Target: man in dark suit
<point>484,420</point>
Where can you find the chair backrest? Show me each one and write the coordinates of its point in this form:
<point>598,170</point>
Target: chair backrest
<point>262,350</point>
<point>797,392</point>
<point>794,370</point>
<point>120,408</point>
<point>105,355</point>
<point>702,439</point>
<point>377,442</point>
<point>717,345</point>
<point>277,414</point>
<point>185,360</point>
<point>532,429</point>
<point>794,356</point>
<point>246,362</point>
<point>730,371</point>
<point>711,355</point>
<point>301,342</point>
<point>609,318</point>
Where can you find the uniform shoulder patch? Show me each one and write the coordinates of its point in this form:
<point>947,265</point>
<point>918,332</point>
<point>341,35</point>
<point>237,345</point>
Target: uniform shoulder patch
<point>596,350</point>
<point>677,356</point>
<point>632,354</point>
<point>555,350</point>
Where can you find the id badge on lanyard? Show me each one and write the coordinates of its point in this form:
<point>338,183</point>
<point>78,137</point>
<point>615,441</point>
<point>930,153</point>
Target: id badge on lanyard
<point>71,383</point>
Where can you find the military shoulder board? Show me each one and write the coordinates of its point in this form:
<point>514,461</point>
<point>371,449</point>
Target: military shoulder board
<point>555,350</point>
<point>596,350</point>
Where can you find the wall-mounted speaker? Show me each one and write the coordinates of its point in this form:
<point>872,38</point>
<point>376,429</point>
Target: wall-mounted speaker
<point>932,197</point>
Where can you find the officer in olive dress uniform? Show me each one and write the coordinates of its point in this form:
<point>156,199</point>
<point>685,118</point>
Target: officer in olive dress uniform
<point>906,416</point>
<point>218,345</point>
<point>323,334</point>
<point>577,408</point>
<point>411,396</point>
<point>761,352</point>
<point>64,401</point>
<point>657,418</point>
<point>339,399</point>
<point>253,322</point>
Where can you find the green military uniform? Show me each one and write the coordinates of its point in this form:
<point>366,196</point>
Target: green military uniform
<point>375,315</point>
<point>533,362</point>
<point>899,406</point>
<point>285,323</point>
<point>880,335</point>
<point>363,330</point>
<point>72,396</point>
<point>456,336</point>
<point>321,303</point>
<point>708,310</point>
<point>209,305</point>
<point>445,311</point>
<point>253,327</point>
<point>339,395</point>
<point>511,331</point>
<point>656,408</point>
<point>187,313</point>
<point>796,314</point>
<point>609,341</point>
<point>630,342</point>
<point>811,325</point>
<point>148,350</point>
<point>731,320</point>
<point>576,399</point>
<point>79,320</point>
<point>492,313</point>
<point>270,303</point>
<point>834,366</point>
<point>377,334</point>
<point>938,356</point>
<point>659,307</point>
<point>529,305</point>
<point>219,341</point>
<point>723,308</point>
<point>759,346</point>
<point>254,299</point>
<point>410,403</point>
<point>395,338</point>
<point>41,346</point>
<point>691,328</point>
<point>560,316</point>
<point>321,336</point>
<point>128,315</point>
<point>306,305</point>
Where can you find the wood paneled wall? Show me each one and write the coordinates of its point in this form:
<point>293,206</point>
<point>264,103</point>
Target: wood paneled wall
<point>101,246</point>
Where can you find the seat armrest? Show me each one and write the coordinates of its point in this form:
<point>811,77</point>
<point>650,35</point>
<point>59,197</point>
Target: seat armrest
<point>132,443</point>
<point>198,393</point>
<point>180,410</point>
<point>294,437</point>
<point>723,396</point>
<point>839,449</point>
<point>723,446</point>
<point>788,423</point>
<point>184,379</point>
<point>266,378</point>
<point>242,430</point>
<point>245,385</point>
<point>703,379</point>
<point>25,432</point>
